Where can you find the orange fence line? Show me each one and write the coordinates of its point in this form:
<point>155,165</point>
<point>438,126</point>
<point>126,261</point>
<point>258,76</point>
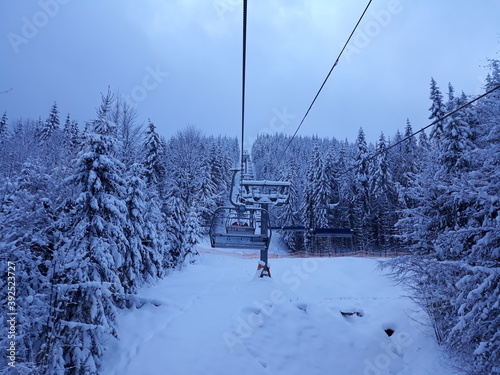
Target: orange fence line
<point>299,254</point>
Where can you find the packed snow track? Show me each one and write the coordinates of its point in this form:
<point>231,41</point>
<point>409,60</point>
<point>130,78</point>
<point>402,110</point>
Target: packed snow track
<point>315,316</point>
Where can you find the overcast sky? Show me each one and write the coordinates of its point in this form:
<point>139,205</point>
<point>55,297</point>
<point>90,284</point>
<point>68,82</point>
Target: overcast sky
<point>179,61</point>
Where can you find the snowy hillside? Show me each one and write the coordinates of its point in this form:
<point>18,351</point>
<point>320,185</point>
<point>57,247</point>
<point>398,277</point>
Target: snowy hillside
<point>215,317</point>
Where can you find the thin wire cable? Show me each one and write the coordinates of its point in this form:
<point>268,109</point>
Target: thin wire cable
<point>324,82</point>
<point>243,80</point>
<point>243,76</point>
<point>425,127</point>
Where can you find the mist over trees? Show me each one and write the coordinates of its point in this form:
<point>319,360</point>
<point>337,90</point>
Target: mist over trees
<point>90,213</point>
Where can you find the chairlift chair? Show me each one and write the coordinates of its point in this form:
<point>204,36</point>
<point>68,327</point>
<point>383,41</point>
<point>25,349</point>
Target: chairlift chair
<point>264,192</point>
<point>240,227</point>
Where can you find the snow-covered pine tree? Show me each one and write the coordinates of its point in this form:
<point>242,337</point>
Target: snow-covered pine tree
<point>289,214</point>
<point>316,198</point>
<point>332,166</point>
<point>397,161</point>
<point>450,105</point>
<point>51,126</point>
<point>423,142</point>
<point>456,139</point>
<point>143,260</point>
<point>457,278</point>
<point>361,192</point>
<point>185,155</point>
<point>411,152</point>
<point>4,128</point>
<point>220,165</point>
<point>438,110</point>
<point>154,168</point>
<point>410,156</point>
<point>345,208</point>
<point>27,236</point>
<point>207,195</point>
<point>71,138</point>
<point>382,198</point>
<point>156,196</point>
<point>476,301</point>
<point>175,219</point>
<point>85,270</point>
<point>192,234</point>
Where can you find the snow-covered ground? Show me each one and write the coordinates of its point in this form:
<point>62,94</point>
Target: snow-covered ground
<point>215,317</point>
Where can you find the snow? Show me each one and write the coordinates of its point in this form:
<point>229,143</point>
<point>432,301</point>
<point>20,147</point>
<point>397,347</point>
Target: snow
<point>216,317</point>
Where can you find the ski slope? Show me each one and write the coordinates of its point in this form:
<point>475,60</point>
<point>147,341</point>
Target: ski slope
<point>216,317</point>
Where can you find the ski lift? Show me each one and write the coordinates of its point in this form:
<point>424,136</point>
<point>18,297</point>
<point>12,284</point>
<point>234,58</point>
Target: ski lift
<point>246,224</point>
<point>264,192</point>
<point>240,227</point>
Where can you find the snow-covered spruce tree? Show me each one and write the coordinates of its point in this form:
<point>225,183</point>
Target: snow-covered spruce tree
<point>411,152</point>
<point>50,128</point>
<point>71,138</point>
<point>316,195</point>
<point>85,269</point>
<point>383,199</point>
<point>332,167</point>
<point>4,128</point>
<point>220,166</point>
<point>144,259</point>
<point>207,195</point>
<point>153,161</point>
<point>457,280</point>
<point>175,211</point>
<point>185,154</point>
<point>345,208</point>
<point>27,236</point>
<point>397,159</point>
<point>4,153</point>
<point>156,195</point>
<point>290,213</point>
<point>438,110</point>
<point>192,234</point>
<point>457,138</point>
<point>50,137</point>
<point>476,335</point>
<point>186,151</point>
<point>361,193</point>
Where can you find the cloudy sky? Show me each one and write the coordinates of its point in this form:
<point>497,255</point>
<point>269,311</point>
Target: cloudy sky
<point>179,61</point>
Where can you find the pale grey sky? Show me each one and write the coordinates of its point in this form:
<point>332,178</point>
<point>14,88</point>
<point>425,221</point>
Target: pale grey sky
<point>179,61</point>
